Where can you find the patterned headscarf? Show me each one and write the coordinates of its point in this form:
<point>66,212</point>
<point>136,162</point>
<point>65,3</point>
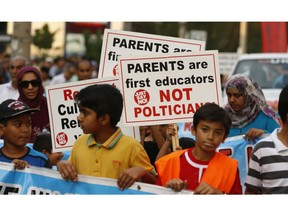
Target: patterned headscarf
<point>255,101</point>
<point>39,98</point>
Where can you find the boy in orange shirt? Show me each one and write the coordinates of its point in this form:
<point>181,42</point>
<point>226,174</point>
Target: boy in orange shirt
<point>201,168</point>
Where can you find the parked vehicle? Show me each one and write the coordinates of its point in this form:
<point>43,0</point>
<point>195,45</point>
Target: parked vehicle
<point>270,70</point>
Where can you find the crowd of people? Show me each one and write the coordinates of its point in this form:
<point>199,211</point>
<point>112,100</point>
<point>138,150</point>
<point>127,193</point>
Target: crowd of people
<point>104,151</point>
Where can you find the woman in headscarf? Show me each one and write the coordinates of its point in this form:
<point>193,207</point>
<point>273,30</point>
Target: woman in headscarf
<point>31,92</point>
<point>250,114</point>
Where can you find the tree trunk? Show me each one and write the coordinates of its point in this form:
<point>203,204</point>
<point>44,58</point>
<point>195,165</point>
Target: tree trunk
<point>21,39</point>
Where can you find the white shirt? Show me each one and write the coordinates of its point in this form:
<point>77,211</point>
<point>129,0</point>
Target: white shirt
<point>59,79</point>
<point>8,92</point>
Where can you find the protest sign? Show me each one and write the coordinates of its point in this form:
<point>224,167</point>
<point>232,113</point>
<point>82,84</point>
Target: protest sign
<point>63,112</point>
<point>168,88</point>
<point>118,43</point>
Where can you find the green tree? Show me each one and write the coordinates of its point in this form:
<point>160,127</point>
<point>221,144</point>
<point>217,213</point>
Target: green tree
<point>93,45</point>
<point>43,39</point>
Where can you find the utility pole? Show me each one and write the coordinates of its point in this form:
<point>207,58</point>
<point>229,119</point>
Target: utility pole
<point>21,39</point>
<point>243,38</point>
<point>182,30</point>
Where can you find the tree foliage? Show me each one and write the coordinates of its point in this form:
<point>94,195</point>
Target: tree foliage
<point>93,44</point>
<point>221,36</point>
<point>43,39</point>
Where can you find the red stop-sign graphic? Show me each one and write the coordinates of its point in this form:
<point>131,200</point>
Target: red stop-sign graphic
<point>141,97</point>
<point>62,138</point>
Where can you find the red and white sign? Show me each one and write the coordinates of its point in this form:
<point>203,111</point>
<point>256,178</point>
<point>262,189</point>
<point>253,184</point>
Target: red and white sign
<point>63,112</point>
<point>168,88</point>
<point>118,43</point>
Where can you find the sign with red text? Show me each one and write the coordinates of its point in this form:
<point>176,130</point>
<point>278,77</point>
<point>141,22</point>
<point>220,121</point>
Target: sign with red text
<point>63,112</point>
<point>118,43</point>
<point>162,89</point>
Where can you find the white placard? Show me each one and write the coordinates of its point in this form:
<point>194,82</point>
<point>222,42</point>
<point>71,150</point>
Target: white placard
<point>168,88</point>
<point>63,112</point>
<point>118,43</point>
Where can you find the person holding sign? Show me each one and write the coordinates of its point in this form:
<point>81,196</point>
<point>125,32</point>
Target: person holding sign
<point>103,150</point>
<point>267,172</point>
<point>152,138</point>
<point>250,114</point>
<point>201,168</point>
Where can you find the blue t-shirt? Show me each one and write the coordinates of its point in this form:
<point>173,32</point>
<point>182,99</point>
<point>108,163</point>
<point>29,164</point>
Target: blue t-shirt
<point>261,121</point>
<point>33,157</point>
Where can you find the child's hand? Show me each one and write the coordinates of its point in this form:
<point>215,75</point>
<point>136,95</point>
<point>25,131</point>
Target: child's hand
<point>176,184</point>
<point>20,164</point>
<point>205,188</point>
<point>67,170</point>
<point>253,133</point>
<point>129,176</point>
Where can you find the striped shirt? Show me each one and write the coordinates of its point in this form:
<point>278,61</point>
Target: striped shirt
<point>268,166</point>
<point>33,157</point>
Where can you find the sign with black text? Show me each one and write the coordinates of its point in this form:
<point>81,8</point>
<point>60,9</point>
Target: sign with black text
<point>63,112</point>
<point>118,43</point>
<point>162,89</point>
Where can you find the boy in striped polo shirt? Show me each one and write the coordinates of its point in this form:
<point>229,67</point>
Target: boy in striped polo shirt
<point>268,165</point>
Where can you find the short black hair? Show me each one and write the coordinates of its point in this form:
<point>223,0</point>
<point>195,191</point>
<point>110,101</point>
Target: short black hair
<point>214,113</point>
<point>43,142</point>
<point>283,104</point>
<point>103,99</point>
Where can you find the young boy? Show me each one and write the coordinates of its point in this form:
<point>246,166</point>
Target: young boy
<point>267,172</point>
<point>43,143</point>
<point>103,151</point>
<point>15,130</point>
<point>201,168</point>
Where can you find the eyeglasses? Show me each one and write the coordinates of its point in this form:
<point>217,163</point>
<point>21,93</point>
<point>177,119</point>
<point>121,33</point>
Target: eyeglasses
<point>25,84</point>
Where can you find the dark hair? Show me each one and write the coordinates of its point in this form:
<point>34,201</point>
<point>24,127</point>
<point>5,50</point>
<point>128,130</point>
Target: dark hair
<point>103,99</point>
<point>283,104</point>
<point>4,122</point>
<point>44,69</point>
<point>81,61</point>
<point>43,142</point>
<point>214,113</point>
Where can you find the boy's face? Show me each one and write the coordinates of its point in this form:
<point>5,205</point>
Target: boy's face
<point>18,130</point>
<point>88,120</point>
<point>209,135</point>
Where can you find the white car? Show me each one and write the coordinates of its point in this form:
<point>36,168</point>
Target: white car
<point>270,70</point>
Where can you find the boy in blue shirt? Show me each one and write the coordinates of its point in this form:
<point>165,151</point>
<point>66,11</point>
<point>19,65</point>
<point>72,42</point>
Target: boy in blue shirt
<point>15,130</point>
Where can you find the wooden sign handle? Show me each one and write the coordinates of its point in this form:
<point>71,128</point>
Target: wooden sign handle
<point>175,139</point>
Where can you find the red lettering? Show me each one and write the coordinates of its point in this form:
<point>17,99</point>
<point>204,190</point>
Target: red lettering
<point>137,110</point>
<point>147,111</point>
<point>177,94</point>
<point>187,91</point>
<point>163,95</point>
<point>227,152</point>
<point>187,126</point>
<point>249,153</point>
<point>69,95</point>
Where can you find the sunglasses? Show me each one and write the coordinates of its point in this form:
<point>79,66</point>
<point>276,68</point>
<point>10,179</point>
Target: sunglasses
<point>25,84</point>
